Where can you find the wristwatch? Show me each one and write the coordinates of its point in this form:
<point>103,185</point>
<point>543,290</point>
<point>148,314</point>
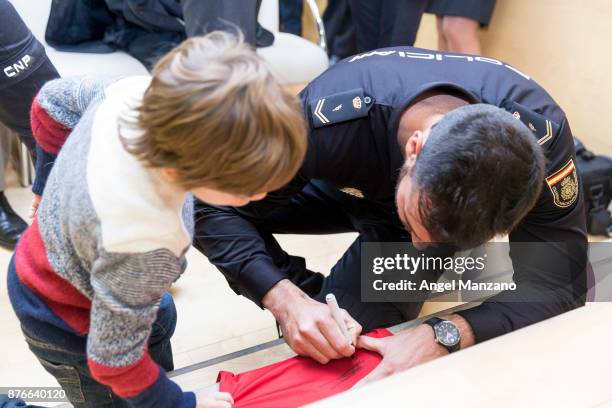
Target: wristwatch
<point>446,333</point>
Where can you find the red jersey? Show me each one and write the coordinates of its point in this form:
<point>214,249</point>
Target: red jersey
<point>298,381</point>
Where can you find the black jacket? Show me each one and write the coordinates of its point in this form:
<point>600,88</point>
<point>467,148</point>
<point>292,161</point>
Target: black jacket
<point>146,29</point>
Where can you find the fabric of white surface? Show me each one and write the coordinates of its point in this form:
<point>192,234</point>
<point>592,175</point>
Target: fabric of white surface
<point>293,59</point>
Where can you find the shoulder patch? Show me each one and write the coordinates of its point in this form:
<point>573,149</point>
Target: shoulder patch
<point>563,185</point>
<point>543,128</point>
<point>340,107</point>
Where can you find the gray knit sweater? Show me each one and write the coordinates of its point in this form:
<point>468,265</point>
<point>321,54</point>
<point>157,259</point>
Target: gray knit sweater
<point>113,230</point>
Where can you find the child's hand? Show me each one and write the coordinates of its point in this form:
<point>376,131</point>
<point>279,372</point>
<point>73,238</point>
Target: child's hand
<point>34,206</point>
<point>214,400</point>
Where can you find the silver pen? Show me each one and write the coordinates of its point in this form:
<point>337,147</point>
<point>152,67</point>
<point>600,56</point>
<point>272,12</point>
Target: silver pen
<point>332,303</point>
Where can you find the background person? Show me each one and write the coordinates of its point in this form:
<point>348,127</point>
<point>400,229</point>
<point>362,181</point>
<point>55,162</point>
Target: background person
<point>458,22</point>
<point>339,30</point>
<point>25,68</point>
<point>290,16</point>
<point>11,224</point>
<point>386,23</point>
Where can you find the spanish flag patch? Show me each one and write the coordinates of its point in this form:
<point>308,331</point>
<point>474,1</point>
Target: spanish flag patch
<point>563,185</point>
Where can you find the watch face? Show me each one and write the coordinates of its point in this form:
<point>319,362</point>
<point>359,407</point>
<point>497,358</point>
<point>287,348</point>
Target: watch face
<point>447,333</point>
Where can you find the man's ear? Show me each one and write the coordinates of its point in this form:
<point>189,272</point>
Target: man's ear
<point>414,145</point>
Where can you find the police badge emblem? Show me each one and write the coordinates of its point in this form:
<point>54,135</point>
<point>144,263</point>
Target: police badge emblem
<point>563,185</point>
<point>357,103</point>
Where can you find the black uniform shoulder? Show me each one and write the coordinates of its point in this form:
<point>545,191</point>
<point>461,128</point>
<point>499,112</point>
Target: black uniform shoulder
<point>561,187</point>
<point>339,107</point>
<point>542,127</point>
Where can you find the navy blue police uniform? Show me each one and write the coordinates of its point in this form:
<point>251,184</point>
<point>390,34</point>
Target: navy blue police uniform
<point>25,69</point>
<point>348,179</point>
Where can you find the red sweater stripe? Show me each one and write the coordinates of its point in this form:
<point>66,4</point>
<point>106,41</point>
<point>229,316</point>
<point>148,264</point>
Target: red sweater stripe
<point>35,272</point>
<point>49,134</point>
<point>127,381</point>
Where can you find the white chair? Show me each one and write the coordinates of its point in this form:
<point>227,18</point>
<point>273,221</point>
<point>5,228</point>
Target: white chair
<point>293,59</point>
<point>35,14</point>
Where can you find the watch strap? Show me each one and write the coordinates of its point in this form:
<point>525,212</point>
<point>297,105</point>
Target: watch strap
<point>432,321</point>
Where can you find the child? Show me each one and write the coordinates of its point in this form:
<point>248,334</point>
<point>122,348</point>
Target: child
<point>88,278</point>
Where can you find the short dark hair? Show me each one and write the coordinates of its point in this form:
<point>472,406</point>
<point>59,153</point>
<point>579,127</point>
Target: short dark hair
<point>479,173</point>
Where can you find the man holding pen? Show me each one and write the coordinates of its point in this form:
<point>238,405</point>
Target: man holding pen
<point>412,145</point>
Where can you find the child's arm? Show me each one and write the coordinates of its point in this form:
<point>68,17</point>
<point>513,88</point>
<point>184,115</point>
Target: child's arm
<point>127,291</point>
<point>56,110</point>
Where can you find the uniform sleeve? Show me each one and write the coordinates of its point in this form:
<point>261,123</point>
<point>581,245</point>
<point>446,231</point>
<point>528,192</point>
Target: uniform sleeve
<point>231,241</point>
<point>56,110</point>
<point>127,292</point>
<point>549,257</point>
<point>26,68</point>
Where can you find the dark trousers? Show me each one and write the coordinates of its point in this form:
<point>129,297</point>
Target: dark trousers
<point>339,29</point>
<point>71,371</point>
<point>204,16</point>
<point>24,68</point>
<point>290,14</point>
<point>386,23</point>
<point>322,209</point>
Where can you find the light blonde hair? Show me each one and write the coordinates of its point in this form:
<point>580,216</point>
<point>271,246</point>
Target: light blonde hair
<point>216,115</point>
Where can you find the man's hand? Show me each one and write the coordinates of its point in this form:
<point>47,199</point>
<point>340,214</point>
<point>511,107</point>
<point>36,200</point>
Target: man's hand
<point>308,326</point>
<point>410,348</point>
<point>214,400</point>
<point>401,352</point>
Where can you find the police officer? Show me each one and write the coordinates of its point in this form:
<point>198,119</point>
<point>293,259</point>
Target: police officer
<point>25,68</point>
<point>408,144</point>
